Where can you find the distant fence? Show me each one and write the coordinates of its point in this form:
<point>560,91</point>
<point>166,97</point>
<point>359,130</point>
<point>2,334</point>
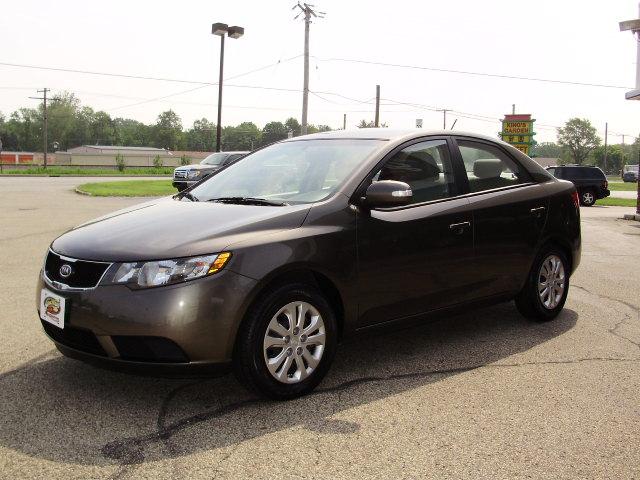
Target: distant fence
<point>109,160</point>
<point>16,158</point>
<point>101,160</point>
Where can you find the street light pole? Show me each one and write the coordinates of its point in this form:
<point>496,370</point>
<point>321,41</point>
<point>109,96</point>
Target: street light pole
<point>222,29</point>
<point>219,124</point>
<point>634,26</point>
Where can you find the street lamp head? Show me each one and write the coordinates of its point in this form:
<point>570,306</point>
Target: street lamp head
<point>236,32</point>
<point>633,25</point>
<point>219,29</point>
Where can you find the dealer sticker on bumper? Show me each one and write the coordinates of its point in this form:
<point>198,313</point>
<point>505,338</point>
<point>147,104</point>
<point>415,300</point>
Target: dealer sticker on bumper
<point>52,308</point>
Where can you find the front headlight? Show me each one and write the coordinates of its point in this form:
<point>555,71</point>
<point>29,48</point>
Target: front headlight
<point>166,272</point>
<point>193,174</point>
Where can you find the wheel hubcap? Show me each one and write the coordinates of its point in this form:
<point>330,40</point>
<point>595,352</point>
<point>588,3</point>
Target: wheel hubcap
<point>551,282</point>
<point>294,342</point>
<point>587,197</point>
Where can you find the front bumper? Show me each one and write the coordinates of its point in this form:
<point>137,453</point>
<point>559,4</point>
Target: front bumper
<point>182,184</point>
<point>188,327</point>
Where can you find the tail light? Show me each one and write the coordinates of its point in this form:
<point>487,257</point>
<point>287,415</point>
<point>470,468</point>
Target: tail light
<point>606,184</point>
<point>576,199</point>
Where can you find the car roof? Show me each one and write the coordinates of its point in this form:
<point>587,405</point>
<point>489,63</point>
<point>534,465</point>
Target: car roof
<point>386,134</point>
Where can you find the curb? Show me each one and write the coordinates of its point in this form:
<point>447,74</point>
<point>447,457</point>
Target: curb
<point>82,192</point>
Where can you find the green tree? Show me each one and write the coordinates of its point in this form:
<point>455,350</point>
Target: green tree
<point>293,126</point>
<point>273,132</point>
<point>615,159</point>
<point>131,133</point>
<point>245,136</point>
<point>103,130</point>
<point>201,137</point>
<point>579,137</point>
<point>168,131</point>
<point>547,150</point>
<point>371,124</point>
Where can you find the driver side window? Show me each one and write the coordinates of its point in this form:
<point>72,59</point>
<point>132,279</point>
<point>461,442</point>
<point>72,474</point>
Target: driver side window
<point>425,167</point>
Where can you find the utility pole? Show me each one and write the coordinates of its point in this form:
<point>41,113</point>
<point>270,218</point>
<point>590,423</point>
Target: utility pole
<point>513,108</point>
<point>44,118</point>
<point>444,117</point>
<point>377,120</point>
<point>606,137</point>
<point>308,11</point>
<point>344,121</point>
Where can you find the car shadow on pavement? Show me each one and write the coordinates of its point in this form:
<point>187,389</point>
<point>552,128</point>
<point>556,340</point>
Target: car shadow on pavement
<point>65,411</point>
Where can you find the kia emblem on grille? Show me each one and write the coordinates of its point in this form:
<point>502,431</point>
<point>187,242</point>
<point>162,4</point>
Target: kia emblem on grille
<point>66,270</point>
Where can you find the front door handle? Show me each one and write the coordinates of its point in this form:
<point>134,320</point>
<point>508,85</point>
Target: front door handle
<point>537,211</point>
<point>458,228</point>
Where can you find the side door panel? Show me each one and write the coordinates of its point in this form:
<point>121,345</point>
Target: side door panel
<point>507,228</point>
<point>412,260</point>
<point>415,258</point>
<point>509,213</point>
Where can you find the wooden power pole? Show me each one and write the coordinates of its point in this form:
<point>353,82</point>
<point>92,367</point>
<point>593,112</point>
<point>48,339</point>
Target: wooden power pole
<point>308,12</point>
<point>377,119</point>
<point>44,118</point>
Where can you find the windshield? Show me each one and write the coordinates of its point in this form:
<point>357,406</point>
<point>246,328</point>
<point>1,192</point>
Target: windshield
<point>214,159</point>
<point>302,171</point>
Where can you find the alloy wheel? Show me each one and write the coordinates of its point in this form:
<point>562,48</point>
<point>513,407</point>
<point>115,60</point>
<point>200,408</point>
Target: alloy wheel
<point>294,342</point>
<point>551,282</point>
<point>587,198</point>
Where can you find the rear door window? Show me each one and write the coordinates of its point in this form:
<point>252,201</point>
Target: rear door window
<point>488,167</point>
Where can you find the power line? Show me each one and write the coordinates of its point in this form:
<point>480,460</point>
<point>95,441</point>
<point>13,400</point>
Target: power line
<point>468,72</point>
<point>142,77</point>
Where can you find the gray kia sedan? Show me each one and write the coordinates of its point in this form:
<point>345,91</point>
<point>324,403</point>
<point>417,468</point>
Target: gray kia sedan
<point>268,264</point>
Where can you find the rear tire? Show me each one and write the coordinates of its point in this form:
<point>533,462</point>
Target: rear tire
<point>286,343</point>
<point>543,296</point>
<point>587,197</point>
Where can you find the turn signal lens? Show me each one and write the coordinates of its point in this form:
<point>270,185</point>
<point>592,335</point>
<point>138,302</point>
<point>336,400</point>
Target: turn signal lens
<point>219,262</point>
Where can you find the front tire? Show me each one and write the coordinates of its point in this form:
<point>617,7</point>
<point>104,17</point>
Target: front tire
<point>543,296</point>
<point>286,343</point>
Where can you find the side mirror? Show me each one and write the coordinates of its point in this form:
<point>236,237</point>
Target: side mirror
<point>388,193</point>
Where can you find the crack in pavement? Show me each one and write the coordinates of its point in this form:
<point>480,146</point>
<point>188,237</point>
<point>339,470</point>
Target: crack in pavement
<point>129,452</point>
<point>613,331</point>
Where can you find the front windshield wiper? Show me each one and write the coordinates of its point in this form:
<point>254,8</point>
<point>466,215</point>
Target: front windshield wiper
<point>190,196</point>
<point>248,201</point>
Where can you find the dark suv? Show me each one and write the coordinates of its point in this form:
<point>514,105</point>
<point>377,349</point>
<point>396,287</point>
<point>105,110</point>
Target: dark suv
<point>590,182</point>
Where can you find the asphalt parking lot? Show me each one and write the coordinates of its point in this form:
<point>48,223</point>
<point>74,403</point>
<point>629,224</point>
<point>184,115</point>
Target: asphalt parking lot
<point>481,395</point>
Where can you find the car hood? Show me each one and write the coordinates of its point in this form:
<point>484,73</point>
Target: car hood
<point>167,228</point>
<point>198,166</point>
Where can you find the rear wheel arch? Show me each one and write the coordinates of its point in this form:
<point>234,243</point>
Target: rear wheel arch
<point>560,243</point>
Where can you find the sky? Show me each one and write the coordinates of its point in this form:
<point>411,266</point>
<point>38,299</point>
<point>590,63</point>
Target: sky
<point>567,40</point>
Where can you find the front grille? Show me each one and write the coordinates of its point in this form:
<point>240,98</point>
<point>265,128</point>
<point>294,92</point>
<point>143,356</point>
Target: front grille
<point>179,174</point>
<point>148,349</point>
<point>76,338</point>
<point>84,273</point>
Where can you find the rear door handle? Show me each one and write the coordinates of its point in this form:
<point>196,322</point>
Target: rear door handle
<point>537,211</point>
<point>458,228</point>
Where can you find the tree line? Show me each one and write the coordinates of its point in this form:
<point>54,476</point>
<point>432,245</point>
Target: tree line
<point>71,124</point>
<point>578,142</point>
